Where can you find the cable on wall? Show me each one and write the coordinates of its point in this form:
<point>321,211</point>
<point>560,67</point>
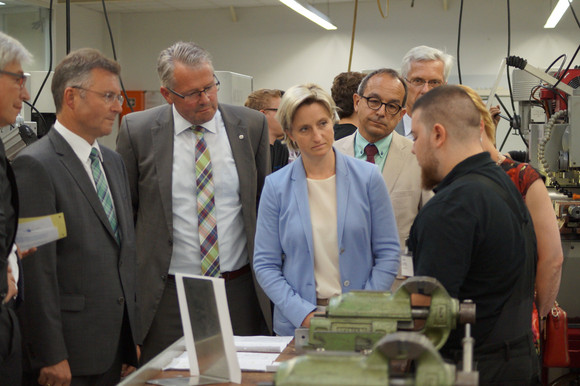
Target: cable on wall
<point>574,13</point>
<point>381,9</point>
<point>352,36</point>
<point>459,41</point>
<point>115,54</point>
<point>49,55</point>
<point>563,73</point>
<point>515,123</point>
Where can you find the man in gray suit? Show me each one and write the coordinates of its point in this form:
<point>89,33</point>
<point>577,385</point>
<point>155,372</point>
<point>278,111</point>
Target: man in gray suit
<point>379,103</point>
<point>79,314</point>
<point>423,68</point>
<point>160,148</point>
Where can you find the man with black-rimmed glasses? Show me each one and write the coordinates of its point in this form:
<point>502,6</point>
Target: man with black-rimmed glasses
<point>379,103</point>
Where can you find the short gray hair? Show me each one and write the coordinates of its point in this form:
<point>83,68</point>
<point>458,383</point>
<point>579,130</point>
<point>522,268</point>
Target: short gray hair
<point>75,70</point>
<point>426,53</point>
<point>298,96</point>
<point>187,53</point>
<point>11,50</point>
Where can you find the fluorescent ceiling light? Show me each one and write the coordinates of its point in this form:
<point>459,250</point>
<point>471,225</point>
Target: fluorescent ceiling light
<point>557,13</point>
<point>310,12</point>
<point>1,3</point>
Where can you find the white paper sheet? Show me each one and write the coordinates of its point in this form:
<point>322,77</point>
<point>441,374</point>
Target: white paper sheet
<point>260,343</point>
<point>249,361</point>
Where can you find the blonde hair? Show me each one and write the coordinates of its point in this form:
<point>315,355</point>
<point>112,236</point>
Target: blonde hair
<point>488,124</point>
<point>296,97</point>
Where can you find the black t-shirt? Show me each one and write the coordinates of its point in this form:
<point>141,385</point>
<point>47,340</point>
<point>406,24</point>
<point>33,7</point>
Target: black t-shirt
<point>469,239</point>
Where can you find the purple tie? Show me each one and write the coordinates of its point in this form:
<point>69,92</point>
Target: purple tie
<point>371,150</point>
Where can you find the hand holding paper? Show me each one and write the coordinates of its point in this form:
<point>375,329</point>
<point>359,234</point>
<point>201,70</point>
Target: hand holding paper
<point>37,231</point>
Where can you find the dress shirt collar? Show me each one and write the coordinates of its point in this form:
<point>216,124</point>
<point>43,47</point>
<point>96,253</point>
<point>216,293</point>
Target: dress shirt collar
<point>382,145</point>
<point>180,124</point>
<point>79,145</point>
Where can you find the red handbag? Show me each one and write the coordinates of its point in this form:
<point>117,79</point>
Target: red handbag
<point>556,345</point>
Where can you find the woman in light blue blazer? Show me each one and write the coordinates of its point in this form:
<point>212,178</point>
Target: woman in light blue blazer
<point>325,221</point>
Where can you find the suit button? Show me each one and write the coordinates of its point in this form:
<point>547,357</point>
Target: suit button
<point>163,277</point>
<point>346,283</point>
<point>121,300</point>
<point>170,242</point>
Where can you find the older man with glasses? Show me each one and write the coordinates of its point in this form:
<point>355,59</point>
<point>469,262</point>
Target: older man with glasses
<point>12,95</point>
<point>423,68</point>
<point>379,104</point>
<point>196,169</point>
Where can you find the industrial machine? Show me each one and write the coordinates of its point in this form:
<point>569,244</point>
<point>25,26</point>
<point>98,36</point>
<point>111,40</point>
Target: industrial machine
<point>549,107</point>
<point>16,137</point>
<point>357,320</point>
<point>401,358</point>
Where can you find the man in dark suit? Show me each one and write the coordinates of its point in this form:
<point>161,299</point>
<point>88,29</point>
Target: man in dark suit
<point>79,312</point>
<point>162,148</point>
<point>12,94</point>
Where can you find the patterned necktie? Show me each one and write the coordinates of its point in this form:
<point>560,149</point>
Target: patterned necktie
<point>371,150</point>
<point>206,217</point>
<point>103,192</point>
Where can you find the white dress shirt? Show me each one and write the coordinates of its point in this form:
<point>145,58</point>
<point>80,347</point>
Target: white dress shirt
<point>407,125</point>
<point>232,241</point>
<point>83,151</point>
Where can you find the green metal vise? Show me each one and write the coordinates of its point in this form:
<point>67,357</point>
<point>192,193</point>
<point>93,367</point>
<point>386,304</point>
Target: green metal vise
<point>380,367</point>
<point>356,320</point>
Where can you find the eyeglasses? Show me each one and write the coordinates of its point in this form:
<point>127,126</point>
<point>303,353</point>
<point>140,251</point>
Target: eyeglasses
<point>109,97</point>
<point>418,82</point>
<point>270,109</point>
<point>195,95</point>
<point>376,104</point>
<point>19,77</point>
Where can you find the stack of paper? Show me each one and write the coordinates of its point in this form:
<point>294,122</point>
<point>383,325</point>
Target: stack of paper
<point>255,353</point>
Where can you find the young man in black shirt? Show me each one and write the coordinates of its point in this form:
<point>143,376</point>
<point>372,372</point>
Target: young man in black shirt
<point>475,236</point>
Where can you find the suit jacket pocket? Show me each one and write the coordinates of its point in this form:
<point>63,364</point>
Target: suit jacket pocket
<point>72,302</point>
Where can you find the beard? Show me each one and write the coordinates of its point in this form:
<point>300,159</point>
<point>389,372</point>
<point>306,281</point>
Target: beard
<point>429,175</point>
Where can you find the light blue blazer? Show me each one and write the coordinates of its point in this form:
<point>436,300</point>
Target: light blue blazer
<point>284,255</point>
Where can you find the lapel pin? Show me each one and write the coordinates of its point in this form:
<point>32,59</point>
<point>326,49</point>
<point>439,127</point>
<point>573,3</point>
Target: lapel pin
<point>241,136</point>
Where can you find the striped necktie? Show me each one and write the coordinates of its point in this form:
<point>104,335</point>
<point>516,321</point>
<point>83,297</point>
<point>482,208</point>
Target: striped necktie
<point>104,193</point>
<point>206,217</point>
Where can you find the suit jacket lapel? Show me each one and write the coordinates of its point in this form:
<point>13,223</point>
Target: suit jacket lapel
<point>162,140</point>
<point>79,174</point>
<point>300,190</point>
<point>394,163</point>
<point>346,145</point>
<point>115,180</point>
<point>238,138</point>
<point>342,192</point>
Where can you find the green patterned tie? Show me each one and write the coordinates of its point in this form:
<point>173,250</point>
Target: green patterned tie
<point>206,217</point>
<point>103,192</point>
